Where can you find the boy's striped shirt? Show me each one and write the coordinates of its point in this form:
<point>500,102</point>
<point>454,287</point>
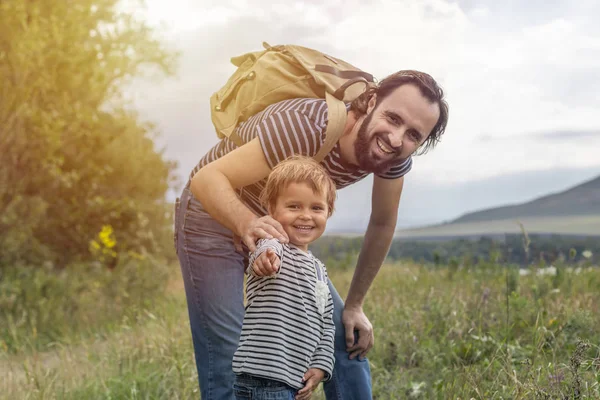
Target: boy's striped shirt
<point>284,334</point>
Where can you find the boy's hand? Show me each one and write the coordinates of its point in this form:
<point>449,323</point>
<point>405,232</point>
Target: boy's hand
<point>312,378</point>
<point>267,263</point>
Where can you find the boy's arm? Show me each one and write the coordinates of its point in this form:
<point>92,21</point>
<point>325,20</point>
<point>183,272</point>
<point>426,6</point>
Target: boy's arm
<point>261,247</point>
<point>323,355</point>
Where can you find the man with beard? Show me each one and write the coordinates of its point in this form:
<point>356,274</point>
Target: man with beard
<point>219,216</point>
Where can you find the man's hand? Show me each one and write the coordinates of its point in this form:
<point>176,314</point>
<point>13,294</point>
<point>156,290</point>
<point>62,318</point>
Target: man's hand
<point>263,228</point>
<point>267,263</point>
<point>355,319</point>
<point>311,379</point>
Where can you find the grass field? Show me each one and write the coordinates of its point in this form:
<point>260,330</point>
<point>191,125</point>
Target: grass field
<point>440,334</point>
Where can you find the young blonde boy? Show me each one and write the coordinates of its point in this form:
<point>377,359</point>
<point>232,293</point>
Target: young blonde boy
<point>286,346</point>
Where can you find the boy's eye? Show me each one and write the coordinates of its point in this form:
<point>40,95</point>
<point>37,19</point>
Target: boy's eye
<point>318,208</point>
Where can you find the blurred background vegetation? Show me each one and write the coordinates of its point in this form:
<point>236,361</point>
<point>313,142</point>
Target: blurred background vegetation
<point>85,224</point>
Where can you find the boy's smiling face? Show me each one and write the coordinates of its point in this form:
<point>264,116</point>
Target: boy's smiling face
<point>302,213</point>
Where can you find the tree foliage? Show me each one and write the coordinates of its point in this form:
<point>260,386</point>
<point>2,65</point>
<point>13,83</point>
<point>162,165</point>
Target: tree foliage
<point>74,156</point>
<point>510,248</point>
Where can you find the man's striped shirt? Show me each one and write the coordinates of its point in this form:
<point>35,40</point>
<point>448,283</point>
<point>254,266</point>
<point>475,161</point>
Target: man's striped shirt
<point>283,333</point>
<point>291,127</point>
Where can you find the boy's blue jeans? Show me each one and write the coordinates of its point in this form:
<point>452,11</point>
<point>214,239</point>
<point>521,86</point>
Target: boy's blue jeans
<point>213,275</point>
<point>246,387</point>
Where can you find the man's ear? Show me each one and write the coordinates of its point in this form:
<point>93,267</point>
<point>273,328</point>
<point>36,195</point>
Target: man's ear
<point>372,102</point>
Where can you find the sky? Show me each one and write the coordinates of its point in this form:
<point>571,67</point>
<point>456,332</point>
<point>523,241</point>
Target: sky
<point>522,80</point>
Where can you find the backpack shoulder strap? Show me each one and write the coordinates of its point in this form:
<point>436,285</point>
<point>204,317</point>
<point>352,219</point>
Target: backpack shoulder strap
<point>336,122</point>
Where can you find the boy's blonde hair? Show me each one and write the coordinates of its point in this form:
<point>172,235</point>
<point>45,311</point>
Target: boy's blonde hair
<point>298,169</point>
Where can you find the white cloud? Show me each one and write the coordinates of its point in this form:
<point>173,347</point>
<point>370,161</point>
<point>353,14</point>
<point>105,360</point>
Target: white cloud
<point>480,12</point>
<point>189,15</point>
<point>507,72</point>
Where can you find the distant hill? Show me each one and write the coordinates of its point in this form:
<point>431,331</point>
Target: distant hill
<point>567,225</point>
<point>583,199</point>
<point>575,211</point>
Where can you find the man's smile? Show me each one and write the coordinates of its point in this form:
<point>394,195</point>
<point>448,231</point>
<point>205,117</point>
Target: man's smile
<point>384,146</point>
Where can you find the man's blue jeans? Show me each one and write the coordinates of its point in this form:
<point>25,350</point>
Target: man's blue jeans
<point>213,275</point>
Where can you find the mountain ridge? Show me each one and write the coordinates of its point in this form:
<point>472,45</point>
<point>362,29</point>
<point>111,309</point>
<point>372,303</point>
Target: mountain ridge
<point>581,199</point>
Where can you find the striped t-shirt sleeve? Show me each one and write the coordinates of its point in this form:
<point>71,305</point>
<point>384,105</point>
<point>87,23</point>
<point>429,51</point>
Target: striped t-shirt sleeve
<point>323,356</point>
<point>398,170</point>
<point>289,132</point>
<point>261,246</point>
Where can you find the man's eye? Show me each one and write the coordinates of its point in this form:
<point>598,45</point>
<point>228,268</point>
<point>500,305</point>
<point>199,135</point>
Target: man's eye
<point>394,119</point>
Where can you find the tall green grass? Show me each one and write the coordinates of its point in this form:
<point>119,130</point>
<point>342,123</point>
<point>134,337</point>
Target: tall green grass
<point>41,308</point>
<point>445,333</point>
<point>440,333</point>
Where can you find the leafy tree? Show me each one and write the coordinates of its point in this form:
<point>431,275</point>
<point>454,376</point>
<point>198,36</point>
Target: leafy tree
<point>545,249</point>
<point>74,156</point>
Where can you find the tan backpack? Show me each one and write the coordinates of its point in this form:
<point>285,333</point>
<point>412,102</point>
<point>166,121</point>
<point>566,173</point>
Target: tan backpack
<point>286,72</point>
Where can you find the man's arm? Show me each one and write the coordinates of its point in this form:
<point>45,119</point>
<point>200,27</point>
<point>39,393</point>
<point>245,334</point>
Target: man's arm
<point>382,224</point>
<point>214,186</point>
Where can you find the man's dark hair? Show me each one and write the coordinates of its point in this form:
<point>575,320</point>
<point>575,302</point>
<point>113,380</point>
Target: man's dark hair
<point>428,87</point>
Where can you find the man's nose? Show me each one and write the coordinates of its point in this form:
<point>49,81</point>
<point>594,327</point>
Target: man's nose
<point>397,137</point>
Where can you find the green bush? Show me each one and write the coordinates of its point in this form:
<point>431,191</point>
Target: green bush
<point>75,155</point>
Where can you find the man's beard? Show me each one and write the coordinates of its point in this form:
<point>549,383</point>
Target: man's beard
<point>363,150</point>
